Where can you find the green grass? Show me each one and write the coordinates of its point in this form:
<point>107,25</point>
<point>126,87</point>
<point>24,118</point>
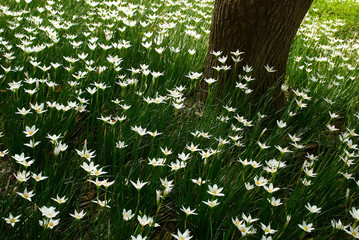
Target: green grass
<point>347,10</point>
<point>322,75</point>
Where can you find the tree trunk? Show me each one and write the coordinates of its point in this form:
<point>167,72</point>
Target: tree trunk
<point>263,30</point>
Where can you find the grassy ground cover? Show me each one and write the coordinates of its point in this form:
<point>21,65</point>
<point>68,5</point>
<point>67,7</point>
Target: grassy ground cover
<point>103,135</point>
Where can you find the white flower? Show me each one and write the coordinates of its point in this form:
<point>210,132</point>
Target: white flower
<point>193,148</point>
<point>78,215</point>
<point>177,165</point>
<point>312,209</point>
<point>32,144</point>
<point>183,156</point>
<point>263,145</point>
<point>138,185</point>
<point>337,225</point>
<point>210,80</point>
<point>49,212</point>
<point>188,211</point>
<point>310,172</point>
<point>127,215</point>
<point>53,138</point>
<point>89,167</point>
<point>102,203</point>
<point>29,132</point>
<point>157,162</point>
<point>355,213</point>
<point>106,183</point>
<point>86,154</point>
<point>248,186</point>
<point>332,128</point>
<point>261,181</point>
<point>22,176</point>
<point>182,236</point>
<point>283,150</point>
<point>236,222</point>
<point>49,223</point>
<point>281,124</point>
<point>306,227</point>
<point>274,202</point>
<point>12,220</point>
<point>27,195</point>
<point>38,177</point>
<point>166,151</point>
<point>144,220</point>
<point>166,183</point>
<point>198,181</point>
<point>4,152</point>
<point>270,188</point>
<point>59,200</point>
<point>269,69</point>
<point>294,138</point>
<point>353,231</point>
<point>267,229</point>
<point>139,237</point>
<point>211,203</point>
<point>23,111</point>
<point>249,219</point>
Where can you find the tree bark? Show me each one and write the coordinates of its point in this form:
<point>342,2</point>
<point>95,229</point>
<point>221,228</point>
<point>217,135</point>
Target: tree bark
<point>263,30</point>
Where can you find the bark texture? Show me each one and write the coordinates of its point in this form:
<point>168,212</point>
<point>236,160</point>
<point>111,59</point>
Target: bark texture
<point>263,29</point>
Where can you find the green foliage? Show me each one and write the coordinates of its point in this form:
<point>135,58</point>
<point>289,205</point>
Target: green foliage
<point>347,10</point>
<point>141,108</point>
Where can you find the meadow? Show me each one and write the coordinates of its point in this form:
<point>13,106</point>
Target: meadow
<point>104,133</point>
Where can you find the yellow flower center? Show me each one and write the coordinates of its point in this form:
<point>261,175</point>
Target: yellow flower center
<point>26,195</point>
<point>12,220</point>
<point>51,224</point>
